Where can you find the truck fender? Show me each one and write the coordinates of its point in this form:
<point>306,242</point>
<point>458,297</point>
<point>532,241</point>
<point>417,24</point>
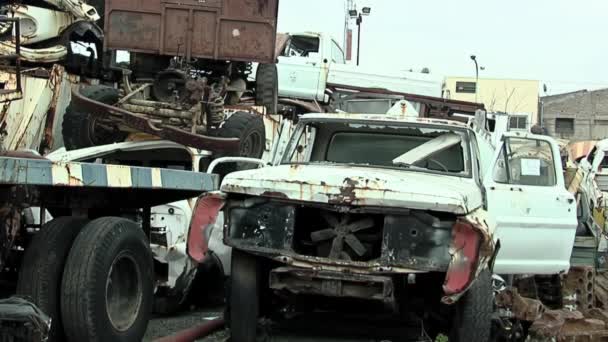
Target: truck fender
<point>205,213</point>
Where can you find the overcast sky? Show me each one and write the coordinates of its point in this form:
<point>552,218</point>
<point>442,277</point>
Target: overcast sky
<point>562,43</point>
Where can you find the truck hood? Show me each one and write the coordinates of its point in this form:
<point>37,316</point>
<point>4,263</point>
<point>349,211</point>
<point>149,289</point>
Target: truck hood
<point>358,186</point>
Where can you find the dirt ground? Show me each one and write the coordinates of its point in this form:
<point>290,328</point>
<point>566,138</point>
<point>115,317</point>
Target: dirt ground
<point>303,329</point>
<point>161,326</point>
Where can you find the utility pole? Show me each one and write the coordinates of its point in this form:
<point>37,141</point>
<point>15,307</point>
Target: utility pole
<point>359,21</point>
<point>359,16</point>
<point>474,58</point>
<point>349,6</point>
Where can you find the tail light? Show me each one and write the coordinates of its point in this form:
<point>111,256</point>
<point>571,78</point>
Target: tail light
<point>465,256</point>
<point>205,213</point>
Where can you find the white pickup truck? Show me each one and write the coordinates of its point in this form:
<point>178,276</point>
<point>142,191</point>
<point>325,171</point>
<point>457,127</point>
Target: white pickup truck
<point>312,63</point>
<point>407,212</point>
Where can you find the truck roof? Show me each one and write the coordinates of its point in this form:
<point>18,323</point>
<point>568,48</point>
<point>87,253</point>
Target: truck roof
<point>379,118</point>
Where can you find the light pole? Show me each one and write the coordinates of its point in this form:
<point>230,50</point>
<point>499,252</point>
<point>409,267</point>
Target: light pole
<point>359,16</point>
<point>474,58</point>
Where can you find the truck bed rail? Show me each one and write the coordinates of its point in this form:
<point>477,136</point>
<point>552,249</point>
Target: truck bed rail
<point>103,184</point>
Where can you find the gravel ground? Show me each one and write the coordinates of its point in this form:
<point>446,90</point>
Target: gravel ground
<point>309,328</point>
<point>161,326</point>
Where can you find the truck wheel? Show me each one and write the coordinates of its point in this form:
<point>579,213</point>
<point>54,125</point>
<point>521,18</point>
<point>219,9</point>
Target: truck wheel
<point>81,129</point>
<point>473,312</point>
<point>107,283</point>
<point>249,128</point>
<point>267,87</point>
<point>42,268</point>
<point>244,299</point>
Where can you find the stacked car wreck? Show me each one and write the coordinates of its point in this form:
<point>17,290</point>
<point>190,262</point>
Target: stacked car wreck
<point>56,60</point>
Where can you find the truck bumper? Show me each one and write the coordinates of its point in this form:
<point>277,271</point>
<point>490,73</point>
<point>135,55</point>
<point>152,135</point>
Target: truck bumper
<point>333,284</point>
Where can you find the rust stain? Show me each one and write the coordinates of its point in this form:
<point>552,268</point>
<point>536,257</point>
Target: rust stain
<point>347,192</point>
<point>136,26</point>
<point>72,180</point>
<point>55,81</point>
<point>526,309</point>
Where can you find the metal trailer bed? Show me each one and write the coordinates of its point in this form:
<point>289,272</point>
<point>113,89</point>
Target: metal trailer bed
<point>73,185</point>
<point>85,190</point>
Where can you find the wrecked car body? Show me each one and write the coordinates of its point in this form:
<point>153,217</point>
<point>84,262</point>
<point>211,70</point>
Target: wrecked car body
<point>360,193</point>
<point>176,92</point>
<point>47,30</point>
<point>405,212</point>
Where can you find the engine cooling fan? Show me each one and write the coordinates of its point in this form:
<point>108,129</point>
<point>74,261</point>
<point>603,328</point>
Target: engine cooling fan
<point>341,231</point>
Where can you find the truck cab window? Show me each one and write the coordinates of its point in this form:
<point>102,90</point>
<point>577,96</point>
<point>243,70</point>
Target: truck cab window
<point>337,56</point>
<point>301,46</point>
<point>525,162</point>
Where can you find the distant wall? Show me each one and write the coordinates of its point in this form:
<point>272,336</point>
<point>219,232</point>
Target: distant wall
<point>498,95</point>
<point>586,111</point>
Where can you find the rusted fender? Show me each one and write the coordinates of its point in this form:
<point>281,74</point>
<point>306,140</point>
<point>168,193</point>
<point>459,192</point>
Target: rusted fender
<point>143,124</point>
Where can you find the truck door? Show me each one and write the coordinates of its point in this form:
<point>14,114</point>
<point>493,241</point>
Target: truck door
<point>534,213</point>
<point>300,68</point>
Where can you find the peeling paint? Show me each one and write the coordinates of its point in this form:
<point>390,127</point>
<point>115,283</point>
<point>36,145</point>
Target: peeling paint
<point>363,187</point>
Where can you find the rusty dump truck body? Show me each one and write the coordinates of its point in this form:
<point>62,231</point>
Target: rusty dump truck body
<point>211,29</point>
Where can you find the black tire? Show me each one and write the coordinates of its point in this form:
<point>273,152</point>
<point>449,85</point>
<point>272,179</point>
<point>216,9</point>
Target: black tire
<point>267,87</point>
<point>108,251</point>
<point>472,321</point>
<point>80,128</point>
<point>244,302</point>
<point>42,268</point>
<point>249,128</point>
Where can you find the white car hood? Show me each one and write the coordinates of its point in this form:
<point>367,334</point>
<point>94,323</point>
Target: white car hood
<point>358,186</point>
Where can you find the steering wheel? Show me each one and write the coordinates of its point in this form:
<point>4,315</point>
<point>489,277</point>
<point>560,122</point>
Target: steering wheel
<point>440,164</point>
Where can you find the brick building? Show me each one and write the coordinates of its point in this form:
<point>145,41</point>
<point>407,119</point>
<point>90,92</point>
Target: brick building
<point>579,115</point>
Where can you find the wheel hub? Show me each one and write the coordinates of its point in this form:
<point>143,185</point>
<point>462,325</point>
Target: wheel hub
<point>124,292</point>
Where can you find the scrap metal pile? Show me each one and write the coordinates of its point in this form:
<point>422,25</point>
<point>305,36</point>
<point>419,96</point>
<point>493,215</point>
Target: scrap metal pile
<point>194,86</point>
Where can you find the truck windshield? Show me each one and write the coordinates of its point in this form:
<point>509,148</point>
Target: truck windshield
<point>425,148</point>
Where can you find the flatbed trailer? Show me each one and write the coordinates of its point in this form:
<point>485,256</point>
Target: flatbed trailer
<point>90,268</point>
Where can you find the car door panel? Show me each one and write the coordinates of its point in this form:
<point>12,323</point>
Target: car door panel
<point>299,77</point>
<point>535,215</point>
